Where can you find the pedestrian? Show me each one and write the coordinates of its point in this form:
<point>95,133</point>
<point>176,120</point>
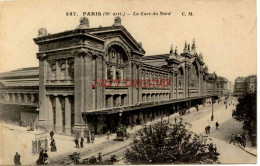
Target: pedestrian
<point>244,140</point>
<point>45,158</point>
<point>82,142</point>
<point>108,134</point>
<point>99,158</point>
<point>77,142</point>
<point>232,139</point>
<point>51,134</point>
<point>17,159</point>
<point>28,127</point>
<point>208,129</point>
<point>53,145</point>
<point>217,125</point>
<point>40,159</point>
<point>226,106</point>
<point>92,137</point>
<point>175,119</point>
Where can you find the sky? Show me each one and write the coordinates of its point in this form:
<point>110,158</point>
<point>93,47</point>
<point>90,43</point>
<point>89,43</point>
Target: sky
<point>224,30</point>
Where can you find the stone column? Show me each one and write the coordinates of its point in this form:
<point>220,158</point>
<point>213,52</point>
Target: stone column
<point>25,98</point>
<point>118,99</point>
<point>140,87</point>
<point>88,79</point>
<point>42,92</point>
<point>48,71</point>
<point>149,97</point>
<point>135,92</point>
<point>144,97</point>
<point>57,71</point>
<point>7,98</point>
<point>67,115</point>
<point>99,90</point>
<point>58,113</point>
<point>171,85</point>
<point>79,91</point>
<point>67,70</point>
<point>13,97</point>
<point>19,98</point>
<point>32,98</point>
<point>110,101</point>
<point>129,76</point>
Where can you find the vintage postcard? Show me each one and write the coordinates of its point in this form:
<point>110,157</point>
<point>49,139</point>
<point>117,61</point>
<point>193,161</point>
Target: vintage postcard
<point>128,82</point>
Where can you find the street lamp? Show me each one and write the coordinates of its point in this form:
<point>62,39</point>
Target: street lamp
<point>212,116</point>
<point>120,114</point>
<point>213,92</point>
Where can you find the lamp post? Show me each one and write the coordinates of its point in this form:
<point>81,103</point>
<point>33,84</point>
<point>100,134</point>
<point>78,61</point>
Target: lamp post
<point>120,114</point>
<point>212,116</point>
<point>213,92</point>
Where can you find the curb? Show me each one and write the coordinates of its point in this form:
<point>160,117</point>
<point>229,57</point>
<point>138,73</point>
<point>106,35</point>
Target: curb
<point>247,151</point>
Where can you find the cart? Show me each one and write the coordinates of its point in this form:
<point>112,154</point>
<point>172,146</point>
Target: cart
<point>121,134</point>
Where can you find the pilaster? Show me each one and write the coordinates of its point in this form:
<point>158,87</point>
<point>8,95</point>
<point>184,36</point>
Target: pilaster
<point>50,113</point>
<point>99,75</point>
<point>42,91</point>
<point>67,115</point>
<point>58,113</point>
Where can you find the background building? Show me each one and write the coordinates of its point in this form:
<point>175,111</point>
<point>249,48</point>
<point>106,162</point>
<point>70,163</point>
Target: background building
<point>223,87</point>
<point>245,85</point>
<point>230,88</point>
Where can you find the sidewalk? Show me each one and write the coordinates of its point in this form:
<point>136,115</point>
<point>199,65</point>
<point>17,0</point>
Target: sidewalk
<point>17,139</point>
<point>249,148</point>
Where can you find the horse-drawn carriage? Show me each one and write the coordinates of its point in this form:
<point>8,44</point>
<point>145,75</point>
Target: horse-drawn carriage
<point>121,134</point>
<point>240,140</point>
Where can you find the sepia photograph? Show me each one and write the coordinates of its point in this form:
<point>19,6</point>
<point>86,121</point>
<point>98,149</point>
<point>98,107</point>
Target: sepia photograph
<point>152,82</point>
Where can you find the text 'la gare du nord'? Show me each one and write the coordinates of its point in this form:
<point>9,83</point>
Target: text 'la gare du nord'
<point>120,13</point>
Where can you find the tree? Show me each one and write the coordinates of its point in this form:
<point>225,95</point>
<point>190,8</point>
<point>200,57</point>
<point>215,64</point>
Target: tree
<point>246,112</point>
<point>165,143</point>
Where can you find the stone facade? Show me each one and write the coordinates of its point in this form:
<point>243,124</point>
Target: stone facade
<point>70,61</point>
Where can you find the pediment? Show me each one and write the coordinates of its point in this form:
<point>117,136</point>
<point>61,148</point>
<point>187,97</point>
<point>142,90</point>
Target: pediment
<point>119,32</point>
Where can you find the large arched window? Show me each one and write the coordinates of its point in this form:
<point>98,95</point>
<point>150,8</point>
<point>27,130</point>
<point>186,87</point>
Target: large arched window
<point>116,60</point>
<point>53,72</point>
<point>63,71</point>
<point>194,82</point>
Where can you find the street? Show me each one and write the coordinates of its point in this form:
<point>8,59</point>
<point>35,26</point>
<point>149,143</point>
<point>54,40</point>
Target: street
<point>229,153</point>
